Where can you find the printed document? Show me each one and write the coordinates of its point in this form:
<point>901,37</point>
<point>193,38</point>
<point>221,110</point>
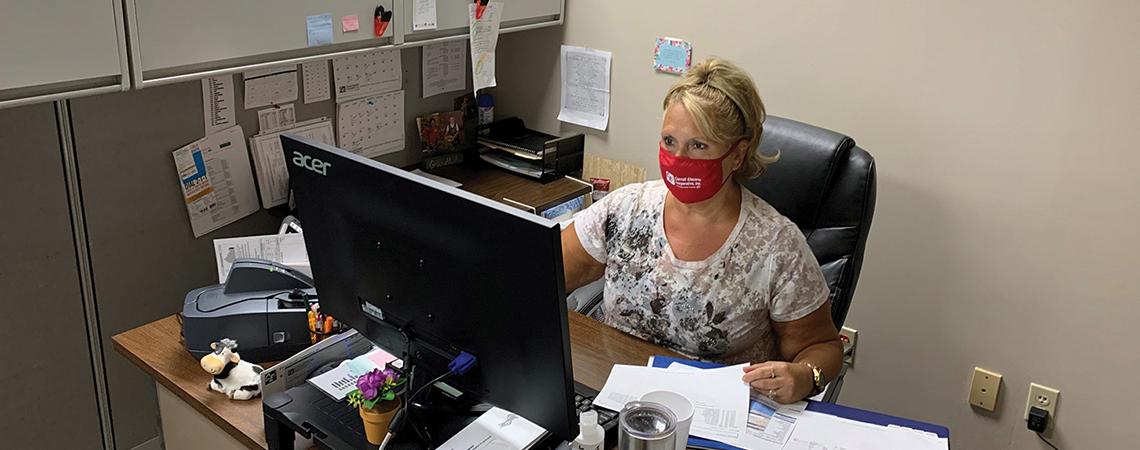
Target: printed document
<point>496,429</point>
<point>276,118</point>
<point>423,15</point>
<point>217,183</point>
<point>815,431</point>
<point>315,77</point>
<point>218,106</point>
<point>769,423</point>
<point>364,74</point>
<point>269,158</point>
<point>273,86</point>
<point>484,38</point>
<point>444,67</point>
<point>337,383</point>
<point>372,126</point>
<point>719,395</point>
<point>585,87</point>
<point>288,249</point>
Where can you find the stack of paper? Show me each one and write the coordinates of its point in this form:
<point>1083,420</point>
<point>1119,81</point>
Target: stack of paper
<point>495,429</point>
<point>719,396</point>
<point>793,427</point>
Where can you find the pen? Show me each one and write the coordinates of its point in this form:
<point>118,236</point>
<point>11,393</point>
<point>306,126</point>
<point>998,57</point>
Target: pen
<point>312,327</point>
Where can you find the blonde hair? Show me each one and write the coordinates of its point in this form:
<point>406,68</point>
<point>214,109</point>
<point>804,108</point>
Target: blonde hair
<point>723,102</point>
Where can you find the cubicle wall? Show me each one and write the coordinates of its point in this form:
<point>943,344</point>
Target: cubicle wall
<point>47,386</point>
<point>143,253</point>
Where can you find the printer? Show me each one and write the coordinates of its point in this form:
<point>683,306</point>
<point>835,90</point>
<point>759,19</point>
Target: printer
<point>511,146</point>
<point>263,306</point>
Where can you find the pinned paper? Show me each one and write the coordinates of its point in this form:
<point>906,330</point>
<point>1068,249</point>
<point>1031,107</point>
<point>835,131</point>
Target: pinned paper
<point>320,29</point>
<point>217,182</point>
<point>484,28</point>
<point>315,76</point>
<point>423,15</point>
<point>349,23</point>
<point>276,118</point>
<point>218,103</point>
<point>272,86</point>
<point>444,67</point>
<point>586,87</point>
<point>672,55</point>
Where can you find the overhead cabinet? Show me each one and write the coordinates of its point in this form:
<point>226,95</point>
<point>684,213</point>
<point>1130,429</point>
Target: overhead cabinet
<point>55,49</point>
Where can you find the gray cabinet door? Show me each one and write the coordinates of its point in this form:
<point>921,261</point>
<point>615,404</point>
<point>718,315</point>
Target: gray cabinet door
<point>57,48</point>
<point>47,386</point>
<point>453,17</point>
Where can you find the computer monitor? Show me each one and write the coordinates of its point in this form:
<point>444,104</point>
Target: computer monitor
<point>428,270</point>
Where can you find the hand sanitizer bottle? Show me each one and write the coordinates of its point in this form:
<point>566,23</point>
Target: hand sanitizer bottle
<point>591,435</point>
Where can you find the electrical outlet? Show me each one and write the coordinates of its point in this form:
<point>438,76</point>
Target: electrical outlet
<point>1043,397</point>
<point>849,337</point>
<point>984,389</point>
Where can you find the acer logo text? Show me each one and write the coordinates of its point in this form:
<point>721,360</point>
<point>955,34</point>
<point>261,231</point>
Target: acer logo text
<point>311,163</point>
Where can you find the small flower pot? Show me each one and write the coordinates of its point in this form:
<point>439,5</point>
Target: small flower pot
<point>376,420</point>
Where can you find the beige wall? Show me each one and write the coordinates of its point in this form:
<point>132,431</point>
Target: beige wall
<point>1008,145</point>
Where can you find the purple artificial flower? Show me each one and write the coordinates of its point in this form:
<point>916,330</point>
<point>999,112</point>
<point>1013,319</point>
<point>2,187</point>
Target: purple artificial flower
<point>370,384</point>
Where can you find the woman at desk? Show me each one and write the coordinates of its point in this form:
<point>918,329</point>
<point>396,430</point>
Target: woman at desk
<point>701,265</point>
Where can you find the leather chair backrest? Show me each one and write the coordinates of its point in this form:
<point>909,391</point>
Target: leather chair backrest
<point>826,185</point>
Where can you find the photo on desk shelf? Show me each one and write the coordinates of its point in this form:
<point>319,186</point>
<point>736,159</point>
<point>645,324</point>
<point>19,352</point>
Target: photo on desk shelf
<point>441,132</point>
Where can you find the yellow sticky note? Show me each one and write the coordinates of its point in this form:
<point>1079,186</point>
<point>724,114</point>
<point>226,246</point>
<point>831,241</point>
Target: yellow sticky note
<point>349,23</point>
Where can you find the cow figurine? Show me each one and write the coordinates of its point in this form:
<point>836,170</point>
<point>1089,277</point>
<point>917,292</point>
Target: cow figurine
<point>238,379</point>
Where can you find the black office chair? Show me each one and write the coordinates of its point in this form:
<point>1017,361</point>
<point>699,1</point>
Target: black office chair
<point>826,185</point>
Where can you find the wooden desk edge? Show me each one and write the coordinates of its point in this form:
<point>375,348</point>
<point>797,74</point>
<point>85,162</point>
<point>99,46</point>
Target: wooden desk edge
<point>210,414</point>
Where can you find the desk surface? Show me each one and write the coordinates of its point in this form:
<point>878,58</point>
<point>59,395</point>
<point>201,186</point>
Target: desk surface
<point>496,184</point>
<point>157,348</point>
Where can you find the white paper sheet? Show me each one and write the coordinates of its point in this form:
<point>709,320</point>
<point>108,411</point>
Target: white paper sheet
<point>365,74</point>
<point>484,38</point>
<point>372,126</point>
<point>815,431</point>
<point>423,15</point>
<point>585,87</point>
<point>769,423</point>
<point>337,383</point>
<point>273,86</point>
<point>276,118</point>
<point>288,249</point>
<point>315,76</point>
<point>719,396</point>
<point>218,106</point>
<point>269,158</point>
<point>217,183</point>
<point>444,67</point>
<point>496,429</point>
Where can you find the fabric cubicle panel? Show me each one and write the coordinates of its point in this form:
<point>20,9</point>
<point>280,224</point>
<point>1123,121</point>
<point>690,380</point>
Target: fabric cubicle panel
<point>48,385</point>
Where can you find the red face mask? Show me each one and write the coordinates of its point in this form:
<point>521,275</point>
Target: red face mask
<point>691,180</point>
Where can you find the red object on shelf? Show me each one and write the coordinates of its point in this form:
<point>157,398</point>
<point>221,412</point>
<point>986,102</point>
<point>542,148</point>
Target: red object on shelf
<point>480,7</point>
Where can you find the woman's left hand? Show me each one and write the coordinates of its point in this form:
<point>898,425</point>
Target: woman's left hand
<point>781,381</point>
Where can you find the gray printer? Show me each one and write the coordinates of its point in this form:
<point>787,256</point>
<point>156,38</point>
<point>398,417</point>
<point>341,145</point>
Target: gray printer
<point>263,306</point>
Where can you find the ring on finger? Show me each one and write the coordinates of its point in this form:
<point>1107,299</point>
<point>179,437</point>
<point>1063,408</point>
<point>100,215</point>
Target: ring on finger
<point>773,373</point>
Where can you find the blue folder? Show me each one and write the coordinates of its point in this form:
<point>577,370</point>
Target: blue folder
<point>846,412</point>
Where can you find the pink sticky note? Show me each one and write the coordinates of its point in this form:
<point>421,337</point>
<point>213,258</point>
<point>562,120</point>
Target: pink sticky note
<point>380,357</point>
<point>349,23</point>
